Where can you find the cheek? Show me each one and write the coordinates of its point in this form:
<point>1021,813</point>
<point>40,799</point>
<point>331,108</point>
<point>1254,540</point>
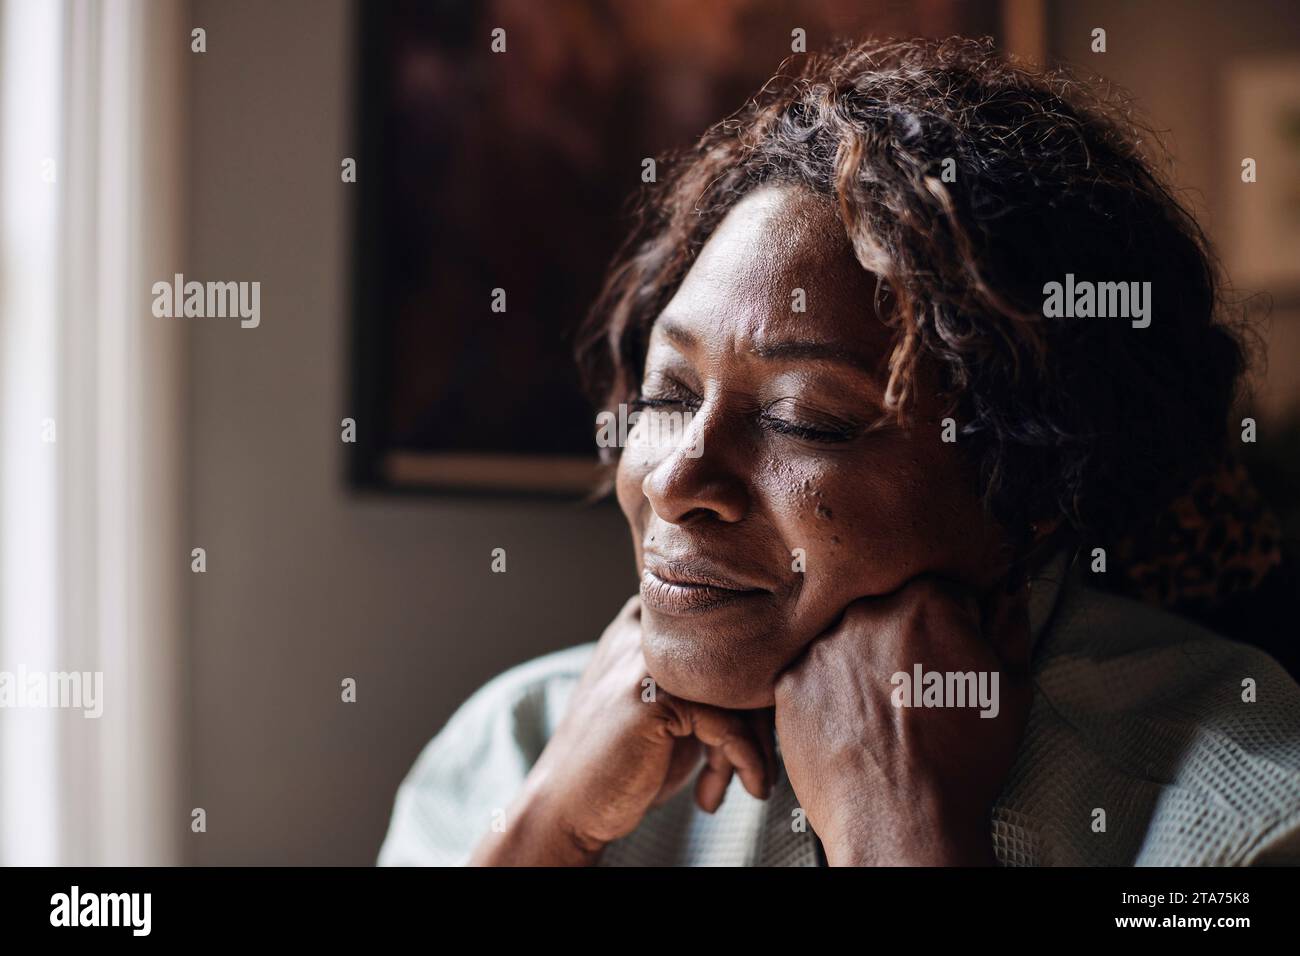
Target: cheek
<point>631,472</point>
<point>845,524</point>
<point>627,487</point>
<point>868,525</point>
<point>942,516</point>
<point>633,466</point>
<point>800,494</point>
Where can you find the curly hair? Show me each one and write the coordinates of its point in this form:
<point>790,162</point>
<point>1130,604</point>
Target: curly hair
<point>1090,421</point>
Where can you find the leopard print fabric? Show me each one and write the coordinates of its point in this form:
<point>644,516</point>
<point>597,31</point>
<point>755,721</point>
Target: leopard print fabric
<point>1216,541</point>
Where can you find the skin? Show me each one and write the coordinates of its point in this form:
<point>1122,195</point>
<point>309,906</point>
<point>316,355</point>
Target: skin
<point>900,565</point>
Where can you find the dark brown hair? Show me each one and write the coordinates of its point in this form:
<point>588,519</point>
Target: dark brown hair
<point>1089,420</point>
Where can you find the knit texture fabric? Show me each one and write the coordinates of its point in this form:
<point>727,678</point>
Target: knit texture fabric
<point>1136,713</point>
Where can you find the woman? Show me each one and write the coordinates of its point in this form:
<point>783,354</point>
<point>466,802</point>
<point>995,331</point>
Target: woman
<point>875,623</point>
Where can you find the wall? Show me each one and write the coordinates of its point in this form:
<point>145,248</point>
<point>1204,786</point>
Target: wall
<point>306,584</point>
<point>1173,55</point>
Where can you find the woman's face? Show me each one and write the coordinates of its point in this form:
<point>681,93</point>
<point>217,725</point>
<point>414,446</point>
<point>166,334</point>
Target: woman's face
<point>776,507</point>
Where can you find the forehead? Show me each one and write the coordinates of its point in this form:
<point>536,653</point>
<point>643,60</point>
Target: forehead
<point>777,240</point>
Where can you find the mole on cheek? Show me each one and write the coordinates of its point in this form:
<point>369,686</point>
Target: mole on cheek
<point>821,510</point>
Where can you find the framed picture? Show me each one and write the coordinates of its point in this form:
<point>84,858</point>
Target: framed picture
<point>497,146</point>
<point>1263,113</point>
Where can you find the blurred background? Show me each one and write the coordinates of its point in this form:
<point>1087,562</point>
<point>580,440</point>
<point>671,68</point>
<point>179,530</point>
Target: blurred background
<point>128,440</point>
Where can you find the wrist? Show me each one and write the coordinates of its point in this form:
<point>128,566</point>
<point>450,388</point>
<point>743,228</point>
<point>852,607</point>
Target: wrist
<point>537,832</point>
<point>915,837</point>
<point>921,849</point>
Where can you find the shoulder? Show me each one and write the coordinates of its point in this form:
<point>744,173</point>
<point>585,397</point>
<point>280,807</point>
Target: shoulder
<point>1147,657</point>
<point>526,695</point>
<point>474,766</point>
<point>1200,732</point>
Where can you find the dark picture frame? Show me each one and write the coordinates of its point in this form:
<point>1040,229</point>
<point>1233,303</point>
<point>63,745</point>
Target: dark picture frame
<point>479,170</point>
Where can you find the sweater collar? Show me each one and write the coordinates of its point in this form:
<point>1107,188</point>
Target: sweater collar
<point>1045,589</point>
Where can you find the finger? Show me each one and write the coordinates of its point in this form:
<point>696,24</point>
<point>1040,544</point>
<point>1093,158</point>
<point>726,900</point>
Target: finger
<point>730,732</point>
<point>685,758</point>
<point>763,722</point>
<point>711,787</point>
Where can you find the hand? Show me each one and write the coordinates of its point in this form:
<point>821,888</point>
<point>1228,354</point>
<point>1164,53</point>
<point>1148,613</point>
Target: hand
<point>887,784</point>
<point>616,754</point>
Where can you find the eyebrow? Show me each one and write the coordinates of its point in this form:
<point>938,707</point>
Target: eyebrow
<point>815,351</point>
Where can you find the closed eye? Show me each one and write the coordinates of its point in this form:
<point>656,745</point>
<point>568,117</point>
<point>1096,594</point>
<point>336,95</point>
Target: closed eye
<point>665,391</point>
<point>823,429</point>
<point>643,402</point>
<point>823,435</point>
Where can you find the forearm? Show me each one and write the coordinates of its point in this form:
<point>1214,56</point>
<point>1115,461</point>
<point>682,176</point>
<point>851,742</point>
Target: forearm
<point>534,835</point>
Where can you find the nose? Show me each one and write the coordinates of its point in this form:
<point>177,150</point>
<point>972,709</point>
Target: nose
<point>700,477</point>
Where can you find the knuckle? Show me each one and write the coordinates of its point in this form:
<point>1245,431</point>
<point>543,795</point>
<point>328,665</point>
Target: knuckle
<point>862,609</point>
<point>787,683</point>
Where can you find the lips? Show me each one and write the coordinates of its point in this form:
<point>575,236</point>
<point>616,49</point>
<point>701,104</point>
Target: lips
<point>691,586</point>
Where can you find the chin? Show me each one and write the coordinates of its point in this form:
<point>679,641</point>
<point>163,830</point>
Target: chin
<point>740,679</point>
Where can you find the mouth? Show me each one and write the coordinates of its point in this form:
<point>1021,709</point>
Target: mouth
<point>678,588</point>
